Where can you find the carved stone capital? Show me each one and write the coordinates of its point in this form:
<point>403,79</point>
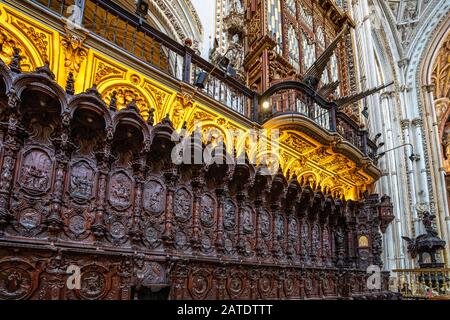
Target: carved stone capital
<point>404,123</point>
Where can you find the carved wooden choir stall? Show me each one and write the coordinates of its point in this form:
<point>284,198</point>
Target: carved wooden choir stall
<point>83,184</point>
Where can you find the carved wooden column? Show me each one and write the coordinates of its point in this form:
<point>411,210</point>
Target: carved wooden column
<point>278,230</point>
<point>351,239</point>
<point>179,279</point>
<point>103,159</point>
<point>290,239</point>
<point>221,277</point>
<point>12,141</point>
<point>340,250</point>
<point>170,176</point>
<point>259,245</point>
<point>63,149</point>
<point>220,196</point>
<point>139,168</point>
<point>240,197</point>
<point>197,186</point>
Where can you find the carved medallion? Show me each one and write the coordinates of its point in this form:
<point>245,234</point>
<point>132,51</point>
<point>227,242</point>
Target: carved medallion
<point>35,174</point>
<point>247,220</point>
<point>200,284</point>
<point>180,240</point>
<point>120,187</point>
<point>207,211</point>
<point>236,284</point>
<point>151,235</point>
<point>228,244</point>
<point>206,243</point>
<point>93,284</point>
<point>229,215</point>
<point>289,284</point>
<point>182,204</point>
<point>81,181</point>
<point>154,197</point>
<point>15,283</point>
<point>264,284</point>
<point>264,223</point>
<point>117,230</point>
<point>30,218</point>
<point>77,224</point>
<point>248,248</point>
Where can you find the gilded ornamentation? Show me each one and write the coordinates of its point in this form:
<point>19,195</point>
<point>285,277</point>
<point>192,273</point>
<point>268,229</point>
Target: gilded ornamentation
<point>74,54</point>
<point>159,96</point>
<point>39,39</point>
<point>105,71</point>
<point>180,108</point>
<point>7,45</point>
<point>441,82</point>
<point>124,95</point>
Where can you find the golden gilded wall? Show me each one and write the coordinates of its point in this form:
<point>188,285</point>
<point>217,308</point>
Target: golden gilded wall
<point>332,163</point>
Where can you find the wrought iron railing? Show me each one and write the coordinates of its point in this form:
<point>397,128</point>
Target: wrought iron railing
<point>423,283</point>
<point>133,35</point>
<point>296,101</point>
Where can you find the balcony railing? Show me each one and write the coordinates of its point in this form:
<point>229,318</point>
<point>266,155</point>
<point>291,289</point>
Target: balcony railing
<point>135,36</point>
<point>424,283</point>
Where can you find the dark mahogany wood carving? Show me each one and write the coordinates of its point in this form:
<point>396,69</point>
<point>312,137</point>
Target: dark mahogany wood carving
<point>85,185</point>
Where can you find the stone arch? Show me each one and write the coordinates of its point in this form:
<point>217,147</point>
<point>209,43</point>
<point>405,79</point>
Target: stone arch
<point>435,121</point>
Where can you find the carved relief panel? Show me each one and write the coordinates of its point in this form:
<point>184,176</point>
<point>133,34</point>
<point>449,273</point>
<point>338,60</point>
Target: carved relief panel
<point>248,231</point>
<point>35,172</point>
<point>182,211</point>
<point>229,225</point>
<point>154,205</point>
<point>265,233</point>
<point>120,195</point>
<point>207,217</point>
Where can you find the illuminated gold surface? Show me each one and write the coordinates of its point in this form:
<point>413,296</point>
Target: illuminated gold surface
<point>300,150</point>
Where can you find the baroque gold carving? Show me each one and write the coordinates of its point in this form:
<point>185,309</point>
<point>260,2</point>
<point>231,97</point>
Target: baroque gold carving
<point>159,96</point>
<point>105,71</point>
<point>38,39</point>
<point>180,108</point>
<point>125,95</point>
<point>441,80</point>
<point>74,54</point>
<point>7,45</point>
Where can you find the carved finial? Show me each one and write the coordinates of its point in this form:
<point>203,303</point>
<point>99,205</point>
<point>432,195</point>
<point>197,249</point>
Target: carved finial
<point>113,101</point>
<point>15,61</point>
<point>45,69</point>
<point>133,106</point>
<point>93,91</point>
<point>151,119</point>
<point>294,178</point>
<point>13,99</point>
<point>70,84</point>
<point>167,121</point>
